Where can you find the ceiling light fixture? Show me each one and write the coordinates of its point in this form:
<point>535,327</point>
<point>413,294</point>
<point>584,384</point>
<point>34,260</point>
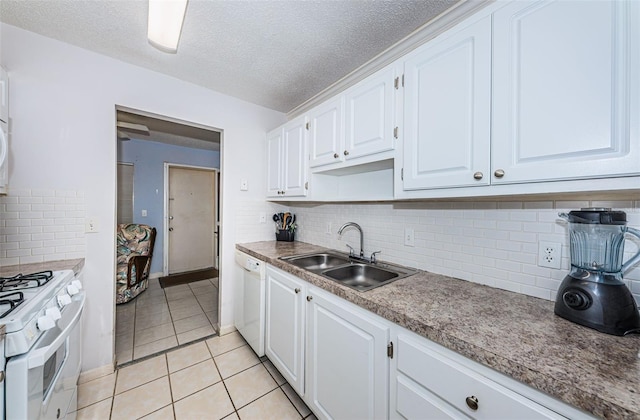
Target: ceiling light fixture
<point>165,23</point>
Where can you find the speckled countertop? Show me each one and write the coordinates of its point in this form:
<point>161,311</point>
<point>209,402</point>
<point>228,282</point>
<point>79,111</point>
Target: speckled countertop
<point>11,270</point>
<point>514,334</point>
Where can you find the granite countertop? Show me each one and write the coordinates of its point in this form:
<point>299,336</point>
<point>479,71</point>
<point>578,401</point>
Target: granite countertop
<point>11,270</point>
<point>514,334</point>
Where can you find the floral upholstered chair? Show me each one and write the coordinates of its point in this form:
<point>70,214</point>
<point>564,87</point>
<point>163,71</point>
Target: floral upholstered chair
<point>134,250</point>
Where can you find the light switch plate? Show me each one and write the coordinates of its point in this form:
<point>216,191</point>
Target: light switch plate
<point>409,239</point>
<point>91,225</point>
<point>244,185</point>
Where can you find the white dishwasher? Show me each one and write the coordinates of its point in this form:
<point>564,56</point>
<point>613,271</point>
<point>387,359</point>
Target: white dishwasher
<point>249,301</point>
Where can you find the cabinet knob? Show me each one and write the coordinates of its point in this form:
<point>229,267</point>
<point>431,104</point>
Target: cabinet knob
<point>336,156</point>
<point>499,173</point>
<point>170,229</point>
<point>478,176</point>
<point>346,152</point>
<point>297,290</point>
<point>472,402</point>
<point>309,298</point>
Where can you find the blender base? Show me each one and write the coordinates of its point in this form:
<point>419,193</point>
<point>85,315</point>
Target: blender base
<point>608,308</point>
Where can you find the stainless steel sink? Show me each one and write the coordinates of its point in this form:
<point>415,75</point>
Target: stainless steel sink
<point>317,262</point>
<point>356,275</point>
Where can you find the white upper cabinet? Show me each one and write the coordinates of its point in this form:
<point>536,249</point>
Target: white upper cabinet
<point>565,90</point>
<point>358,123</point>
<point>369,122</point>
<point>286,160</point>
<point>447,104</point>
<point>326,133</point>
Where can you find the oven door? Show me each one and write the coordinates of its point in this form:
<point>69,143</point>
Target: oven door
<point>41,384</point>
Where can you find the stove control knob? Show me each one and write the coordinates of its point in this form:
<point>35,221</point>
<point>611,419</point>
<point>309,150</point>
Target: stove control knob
<point>72,290</point>
<point>576,299</point>
<point>77,284</point>
<point>45,323</point>
<point>63,300</point>
<point>53,313</point>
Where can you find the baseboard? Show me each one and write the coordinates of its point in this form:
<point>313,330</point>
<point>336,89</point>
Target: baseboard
<point>90,375</point>
<point>156,275</point>
<point>227,329</point>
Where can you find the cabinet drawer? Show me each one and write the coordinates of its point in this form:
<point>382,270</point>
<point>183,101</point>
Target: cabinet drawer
<point>454,383</point>
<point>415,402</point>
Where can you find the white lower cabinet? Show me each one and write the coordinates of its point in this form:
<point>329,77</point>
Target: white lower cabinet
<point>345,375</point>
<point>336,356</point>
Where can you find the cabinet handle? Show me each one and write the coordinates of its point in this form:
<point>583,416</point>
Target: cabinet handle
<point>297,290</point>
<point>472,403</point>
<point>478,176</point>
<point>336,156</point>
<point>309,298</point>
<point>499,173</point>
<point>346,152</point>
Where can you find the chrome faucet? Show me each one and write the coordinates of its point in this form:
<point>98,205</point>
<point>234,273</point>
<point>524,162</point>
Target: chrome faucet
<point>357,226</point>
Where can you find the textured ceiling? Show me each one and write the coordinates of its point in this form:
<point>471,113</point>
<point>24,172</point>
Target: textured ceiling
<point>277,54</point>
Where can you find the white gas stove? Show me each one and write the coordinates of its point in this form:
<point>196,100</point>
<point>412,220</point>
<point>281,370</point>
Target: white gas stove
<point>42,313</point>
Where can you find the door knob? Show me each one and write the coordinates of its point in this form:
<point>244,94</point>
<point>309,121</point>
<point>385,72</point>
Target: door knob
<point>170,217</point>
<point>170,229</point>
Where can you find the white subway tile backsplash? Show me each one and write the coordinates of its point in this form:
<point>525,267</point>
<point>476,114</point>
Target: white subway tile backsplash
<point>29,222</point>
<point>492,243</point>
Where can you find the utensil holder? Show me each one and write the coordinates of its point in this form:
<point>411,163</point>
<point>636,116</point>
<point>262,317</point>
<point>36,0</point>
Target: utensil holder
<point>284,235</point>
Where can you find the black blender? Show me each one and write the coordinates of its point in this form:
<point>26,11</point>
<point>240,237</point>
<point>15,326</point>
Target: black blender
<point>593,294</point>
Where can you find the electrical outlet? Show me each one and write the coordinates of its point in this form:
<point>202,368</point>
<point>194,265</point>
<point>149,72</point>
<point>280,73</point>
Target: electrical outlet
<point>409,239</point>
<point>328,230</point>
<point>263,218</point>
<point>549,254</point>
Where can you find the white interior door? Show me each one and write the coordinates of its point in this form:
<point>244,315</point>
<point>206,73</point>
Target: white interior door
<point>192,224</point>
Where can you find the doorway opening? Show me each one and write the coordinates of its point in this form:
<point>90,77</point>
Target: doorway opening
<point>152,150</point>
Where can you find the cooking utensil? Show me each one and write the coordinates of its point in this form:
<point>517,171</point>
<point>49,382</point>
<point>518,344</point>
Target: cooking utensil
<point>276,218</point>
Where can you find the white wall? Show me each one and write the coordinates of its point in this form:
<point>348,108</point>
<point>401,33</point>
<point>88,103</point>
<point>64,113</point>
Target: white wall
<point>63,137</point>
<point>492,243</point>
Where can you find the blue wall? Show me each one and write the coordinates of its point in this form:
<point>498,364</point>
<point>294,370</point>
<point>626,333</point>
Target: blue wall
<point>148,180</point>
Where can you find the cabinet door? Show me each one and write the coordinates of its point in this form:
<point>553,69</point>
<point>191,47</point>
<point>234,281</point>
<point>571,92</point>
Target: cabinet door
<point>284,332</point>
<point>294,158</point>
<point>325,133</point>
<point>565,90</point>
<point>4,95</point>
<point>274,163</point>
<point>447,105</point>
<point>369,122</point>
<point>347,364</point>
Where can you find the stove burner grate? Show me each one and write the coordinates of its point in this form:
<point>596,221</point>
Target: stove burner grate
<point>13,300</point>
<point>25,281</point>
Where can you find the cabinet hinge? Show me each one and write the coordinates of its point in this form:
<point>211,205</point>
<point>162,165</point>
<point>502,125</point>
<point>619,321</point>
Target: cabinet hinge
<point>306,185</point>
<point>390,350</point>
<point>395,132</point>
<point>307,126</point>
<point>396,83</point>
<point>403,80</point>
<point>402,174</point>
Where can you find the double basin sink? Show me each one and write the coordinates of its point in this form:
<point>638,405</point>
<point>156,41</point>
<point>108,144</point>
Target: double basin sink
<point>357,275</point>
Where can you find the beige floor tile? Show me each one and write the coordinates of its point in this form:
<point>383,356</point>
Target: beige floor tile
<point>249,385</point>
<point>148,309</point>
<point>211,403</point>
<point>141,373</point>
<point>236,361</point>
<point>296,401</point>
<point>201,283</point>
<point>165,413</point>
<point>152,320</point>
<point>147,335</point>
<point>183,303</point>
<point>274,405</point>
<point>216,282</point>
<point>154,347</point>
<point>193,379</point>
<point>143,400</point>
<point>97,390</point>
<point>193,335</point>
<point>187,356</point>
<point>186,312</point>
<point>274,372</point>
<point>208,305</point>
<point>97,411</point>
<point>191,323</point>
<point>213,317</point>
<point>225,343</point>
<point>232,416</point>
<point>175,294</point>
<point>124,342</point>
